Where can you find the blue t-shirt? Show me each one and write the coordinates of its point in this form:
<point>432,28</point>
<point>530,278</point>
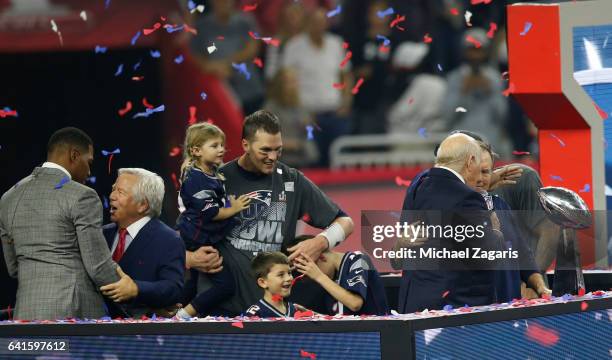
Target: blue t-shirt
<point>201,197</point>
<point>359,276</point>
<point>264,309</point>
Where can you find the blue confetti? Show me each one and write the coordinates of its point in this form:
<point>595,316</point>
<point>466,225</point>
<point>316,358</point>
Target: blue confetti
<point>148,112</point>
<point>105,202</point>
<point>448,308</point>
<point>116,151</point>
<point>171,29</point>
<point>526,29</point>
<point>334,12</point>
<point>62,182</point>
<point>107,4</point>
<point>440,68</point>
<point>203,95</point>
<point>100,49</point>
<point>137,65</point>
<point>91,179</point>
<point>422,133</point>
<point>567,297</point>
<point>154,316</point>
<point>586,188</point>
<point>556,177</point>
<point>179,59</point>
<point>135,38</point>
<point>309,129</point>
<point>242,68</point>
<point>191,5</point>
<point>385,40</point>
<point>383,14</point>
<point>119,70</point>
<point>156,54</point>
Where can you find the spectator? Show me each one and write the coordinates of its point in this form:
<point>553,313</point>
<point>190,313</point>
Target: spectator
<point>298,150</point>
<point>291,23</point>
<point>316,57</point>
<point>477,87</point>
<point>238,48</point>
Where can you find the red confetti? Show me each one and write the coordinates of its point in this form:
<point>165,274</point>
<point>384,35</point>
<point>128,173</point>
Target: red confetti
<point>110,160</point>
<point>4,114</point>
<point>509,90</point>
<point>445,294</point>
<point>149,31</point>
<point>398,19</point>
<point>303,314</point>
<point>601,112</point>
<point>584,306</point>
<point>473,41</point>
<point>277,297</point>
<point>296,279</point>
<point>476,2</point>
<point>306,218</point>
<point>454,11</point>
<point>492,30</point>
<point>347,57</point>
<point>273,42</point>
<point>238,324</point>
<point>345,45</point>
<point>257,61</point>
<point>126,109</point>
<point>355,89</point>
<point>175,151</point>
<point>247,8</point>
<point>146,104</point>
<point>190,29</point>
<point>542,335</point>
<point>427,39</point>
<point>384,49</point>
<point>253,36</point>
<point>137,78</point>
<point>175,181</point>
<point>306,354</point>
<point>401,182</point>
<point>339,86</point>
<point>515,152</point>
<point>192,115</point>
<point>220,37</point>
<point>581,292</point>
<point>210,121</point>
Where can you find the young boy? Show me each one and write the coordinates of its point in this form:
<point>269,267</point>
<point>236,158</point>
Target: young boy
<point>273,275</point>
<point>352,282</point>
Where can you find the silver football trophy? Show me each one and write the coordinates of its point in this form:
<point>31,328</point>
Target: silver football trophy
<point>566,209</point>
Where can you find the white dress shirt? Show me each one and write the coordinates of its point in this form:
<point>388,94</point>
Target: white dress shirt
<point>52,165</point>
<point>133,231</point>
<point>453,171</point>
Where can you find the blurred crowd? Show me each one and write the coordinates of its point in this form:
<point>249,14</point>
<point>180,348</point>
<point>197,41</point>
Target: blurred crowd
<point>353,67</point>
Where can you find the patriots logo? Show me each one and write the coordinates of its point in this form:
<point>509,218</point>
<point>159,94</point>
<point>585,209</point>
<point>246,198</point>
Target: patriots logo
<point>253,310</point>
<point>356,280</point>
<point>265,196</point>
<point>204,194</point>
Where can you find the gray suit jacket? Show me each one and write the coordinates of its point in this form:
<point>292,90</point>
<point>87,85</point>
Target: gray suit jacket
<point>53,243</point>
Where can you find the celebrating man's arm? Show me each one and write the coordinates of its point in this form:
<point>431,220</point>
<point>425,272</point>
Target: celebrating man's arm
<point>335,233</point>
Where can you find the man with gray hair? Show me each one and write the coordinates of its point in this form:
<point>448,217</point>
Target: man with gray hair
<point>444,198</point>
<point>147,250</point>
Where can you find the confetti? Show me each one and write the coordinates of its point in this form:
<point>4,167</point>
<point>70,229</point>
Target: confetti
<point>542,335</point>
<point>583,306</point>
<point>242,69</point>
<point>91,179</point>
<point>105,202</point>
<point>516,152</point>
<point>238,324</point>
<point>146,32</point>
<point>473,41</point>
<point>440,68</point>
<point>148,112</point>
<point>199,8</point>
<point>401,182</point>
<point>385,40</point>
<point>300,277</point>
<point>505,75</point>
<point>203,95</point>
<point>175,181</point>
<point>53,26</point>
<point>454,11</point>
<point>100,49</point>
<point>558,139</point>
<point>556,177</point>
<point>345,45</point>
<point>427,39</point>
<point>135,37</point>
<point>448,308</point>
<point>8,112</point>
<point>509,90</point>
<point>258,62</point>
<point>146,103</point>
<point>581,291</point>
<point>270,41</point>
<point>309,130</point>
<point>398,19</point>
<point>355,89</point>
<point>303,314</point>
<point>175,151</point>
<point>179,59</point>
<point>347,57</point>
<point>385,13</point>
<point>468,17</point>
<point>136,66</point>
<point>277,297</point>
<point>601,112</point>
<point>492,30</point>
<point>83,15</point>
<point>126,109</point>
<point>461,109</point>
<point>334,12</point>
<point>476,2</point>
<point>170,29</point>
<point>62,182</point>
<point>247,8</point>
<point>119,70</point>
<point>192,115</point>
<point>586,188</point>
<point>526,29</point>
<point>190,29</point>
<point>422,133</point>
<point>211,49</point>
<point>306,354</point>
<point>155,54</point>
<point>107,4</point>
<point>137,78</point>
<point>107,153</point>
<point>445,294</point>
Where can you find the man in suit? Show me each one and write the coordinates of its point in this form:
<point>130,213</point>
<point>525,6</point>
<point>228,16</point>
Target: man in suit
<point>50,225</point>
<point>151,253</point>
<point>444,189</point>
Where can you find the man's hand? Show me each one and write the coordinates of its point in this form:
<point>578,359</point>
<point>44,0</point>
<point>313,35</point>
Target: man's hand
<point>306,266</point>
<point>311,247</point>
<point>206,259</point>
<point>122,290</point>
<point>505,175</point>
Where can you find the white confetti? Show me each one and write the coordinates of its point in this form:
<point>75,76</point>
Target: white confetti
<point>468,17</point>
<point>55,30</point>
<point>211,49</point>
<point>53,26</point>
<point>83,15</point>
<point>461,109</point>
<point>199,8</point>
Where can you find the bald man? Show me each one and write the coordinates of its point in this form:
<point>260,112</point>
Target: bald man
<point>450,201</point>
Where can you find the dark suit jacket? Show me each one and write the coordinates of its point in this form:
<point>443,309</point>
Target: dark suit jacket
<point>155,260</point>
<point>439,189</point>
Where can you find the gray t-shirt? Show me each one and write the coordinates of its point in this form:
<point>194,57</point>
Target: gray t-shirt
<point>278,201</point>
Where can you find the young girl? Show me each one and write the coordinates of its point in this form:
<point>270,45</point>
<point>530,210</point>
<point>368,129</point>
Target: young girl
<point>205,218</point>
